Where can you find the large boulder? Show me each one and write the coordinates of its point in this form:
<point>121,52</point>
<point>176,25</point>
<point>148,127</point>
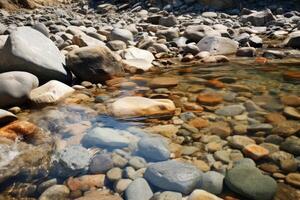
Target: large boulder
<point>174,176</point>
<point>95,63</point>
<point>260,18</point>
<point>141,106</point>
<point>15,87</point>
<point>28,50</point>
<point>218,45</point>
<point>249,182</point>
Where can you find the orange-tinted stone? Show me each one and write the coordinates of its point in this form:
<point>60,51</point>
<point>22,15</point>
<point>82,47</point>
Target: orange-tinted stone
<point>115,81</point>
<point>275,118</point>
<point>255,151</point>
<point>163,82</point>
<point>18,128</point>
<point>193,107</point>
<point>215,83</point>
<point>199,123</point>
<point>291,76</point>
<point>290,100</point>
<point>209,99</point>
<point>86,182</point>
<point>261,60</point>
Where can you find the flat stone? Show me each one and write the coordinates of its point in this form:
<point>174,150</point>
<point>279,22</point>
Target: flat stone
<point>291,145</point>
<point>239,141</point>
<point>163,82</point>
<point>202,194</point>
<point>291,112</point>
<point>290,100</point>
<point>153,149</point>
<point>255,151</point>
<point>209,99</point>
<point>231,110</point>
<point>173,176</point>
<point>293,179</point>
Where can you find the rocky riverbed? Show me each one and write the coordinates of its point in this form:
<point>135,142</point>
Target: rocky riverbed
<point>141,103</point>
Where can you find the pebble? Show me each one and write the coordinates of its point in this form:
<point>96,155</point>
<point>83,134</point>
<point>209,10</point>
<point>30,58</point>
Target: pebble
<point>139,189</point>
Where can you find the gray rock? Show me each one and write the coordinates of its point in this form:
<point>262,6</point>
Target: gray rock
<point>249,182</point>
<point>153,149</point>
<point>6,117</point>
<point>291,145</point>
<point>46,184</point>
<point>260,18</point>
<point>41,28</point>
<point>167,195</point>
<point>55,192</point>
<point>105,138</point>
<point>29,50</point>
<point>15,87</point>
<point>246,52</point>
<point>168,21</point>
<point>71,161</point>
<point>116,45</point>
<point>212,182</point>
<point>137,162</point>
<point>173,176</point>
<point>94,64</point>
<point>218,45</point>
<point>121,34</point>
<point>139,189</point>
<point>230,110</point>
<point>101,163</point>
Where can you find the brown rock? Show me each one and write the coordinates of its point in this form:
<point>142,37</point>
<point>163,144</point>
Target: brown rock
<point>18,129</point>
<point>210,99</point>
<point>193,107</point>
<point>286,128</point>
<point>215,83</point>
<point>291,112</point>
<point>199,123</point>
<point>291,76</point>
<point>275,118</point>
<point>221,129</point>
<point>163,82</point>
<point>255,151</point>
<point>293,179</point>
<point>290,100</point>
<point>86,182</point>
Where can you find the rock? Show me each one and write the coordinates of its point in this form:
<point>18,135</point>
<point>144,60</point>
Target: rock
<point>293,40</point>
<point>116,45</point>
<point>121,34</point>
<point>99,194</point>
<point>291,145</point>
<point>199,123</point>
<point>70,161</point>
<point>231,110</point>
<point>137,162</point>
<point>255,151</point>
<point>291,112</point>
<point>15,87</point>
<point>260,18</point>
<point>212,182</point>
<point>250,183</point>
<point>106,138</point>
<point>168,130</point>
<point>55,192</point>
<point>163,82</point>
<point>239,141</point>
<point>285,160</point>
<point>293,179</point>
<point>94,64</point>
<point>210,99</point>
<point>83,40</point>
<point>51,92</point>
<point>41,28</point>
<point>141,106</point>
<point>246,52</point>
<point>6,117</point>
<point>202,194</point>
<point>18,129</point>
<point>29,50</point>
<point>121,185</point>
<point>153,149</point>
<point>101,163</point>
<point>216,45</point>
<point>290,100</point>
<point>168,21</point>
<point>174,176</point>
<point>138,58</point>
<point>86,182</point>
<point>167,195</point>
<point>114,174</point>
<point>139,189</point>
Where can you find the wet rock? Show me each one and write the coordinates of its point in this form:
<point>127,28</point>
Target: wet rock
<point>173,176</point>
<point>121,185</point>
<point>139,189</point>
<point>255,41</point>
<point>114,174</point>
<point>246,52</point>
<point>168,130</point>
<point>101,163</point>
<point>212,182</point>
<point>291,145</point>
<point>94,64</point>
<point>286,128</point>
<point>6,117</point>
<point>46,184</point>
<point>86,182</point>
<point>138,58</point>
<point>293,179</point>
<point>163,82</point>
<point>291,112</point>
<point>15,87</point>
<point>141,106</point>
<point>99,194</point>
<point>71,161</point>
<point>29,50</point>
<point>290,100</point>
<point>260,18</point>
<point>121,34</point>
<point>210,99</point>
<point>239,141</point>
<point>199,123</point>
<point>153,149</point>
<point>255,151</point>
<point>51,92</point>
<point>231,110</point>
<point>18,129</point>
<point>285,160</point>
<point>55,192</point>
<point>202,194</point>
<point>249,182</point>
<point>293,40</point>
<point>167,195</point>
<point>218,45</point>
<point>106,138</point>
<point>137,162</point>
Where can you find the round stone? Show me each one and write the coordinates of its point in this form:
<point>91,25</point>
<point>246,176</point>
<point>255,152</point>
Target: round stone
<point>163,82</point>
<point>209,99</point>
